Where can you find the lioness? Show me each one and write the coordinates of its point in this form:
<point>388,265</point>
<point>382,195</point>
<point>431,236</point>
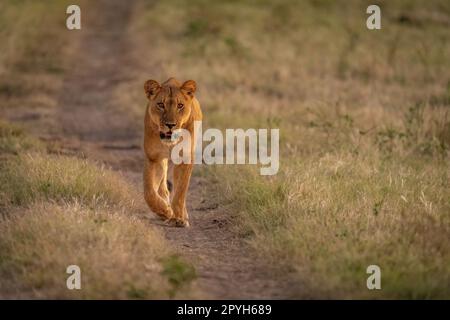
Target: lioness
<point>171,106</point>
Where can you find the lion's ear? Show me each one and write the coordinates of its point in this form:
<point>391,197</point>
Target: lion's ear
<point>151,88</point>
<point>189,87</point>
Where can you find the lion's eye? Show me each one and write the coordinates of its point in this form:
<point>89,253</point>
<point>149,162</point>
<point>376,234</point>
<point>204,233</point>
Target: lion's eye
<point>160,105</point>
<point>180,106</point>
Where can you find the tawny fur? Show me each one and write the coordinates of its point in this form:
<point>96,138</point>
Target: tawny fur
<point>175,104</point>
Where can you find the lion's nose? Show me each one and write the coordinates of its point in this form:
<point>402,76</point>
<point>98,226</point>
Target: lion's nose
<point>170,125</point>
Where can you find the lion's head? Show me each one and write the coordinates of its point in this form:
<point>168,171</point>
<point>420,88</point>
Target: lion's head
<point>170,105</point>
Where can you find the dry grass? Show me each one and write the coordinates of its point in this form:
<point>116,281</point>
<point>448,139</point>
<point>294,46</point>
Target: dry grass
<point>365,131</point>
<point>118,254</point>
<point>328,218</point>
<point>34,42</point>
<point>57,211</point>
<point>31,177</point>
<point>13,139</point>
<point>365,140</point>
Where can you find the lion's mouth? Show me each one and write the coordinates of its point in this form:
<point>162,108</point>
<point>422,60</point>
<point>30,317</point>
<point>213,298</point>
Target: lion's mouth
<point>165,135</point>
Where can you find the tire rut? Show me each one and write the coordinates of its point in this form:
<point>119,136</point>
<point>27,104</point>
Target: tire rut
<point>90,121</point>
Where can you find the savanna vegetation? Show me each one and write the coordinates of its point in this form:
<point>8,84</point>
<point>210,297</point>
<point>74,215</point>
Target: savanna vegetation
<point>364,124</point>
<point>364,147</point>
<point>33,50</point>
<point>57,210</point>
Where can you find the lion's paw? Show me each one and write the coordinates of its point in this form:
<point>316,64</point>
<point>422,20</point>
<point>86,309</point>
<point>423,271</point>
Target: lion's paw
<point>177,222</point>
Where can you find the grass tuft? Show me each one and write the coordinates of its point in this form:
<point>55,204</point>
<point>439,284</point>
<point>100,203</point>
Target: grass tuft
<point>37,177</point>
<point>178,272</point>
<point>13,139</point>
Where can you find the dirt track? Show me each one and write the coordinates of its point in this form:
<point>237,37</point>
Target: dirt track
<point>89,121</point>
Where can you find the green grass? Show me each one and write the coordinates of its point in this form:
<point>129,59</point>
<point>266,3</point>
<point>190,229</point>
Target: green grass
<point>364,132</point>
<point>178,272</point>
<point>328,218</point>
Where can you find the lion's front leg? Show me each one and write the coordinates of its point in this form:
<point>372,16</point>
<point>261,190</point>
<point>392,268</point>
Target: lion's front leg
<point>163,188</point>
<point>181,177</point>
<point>153,175</point>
